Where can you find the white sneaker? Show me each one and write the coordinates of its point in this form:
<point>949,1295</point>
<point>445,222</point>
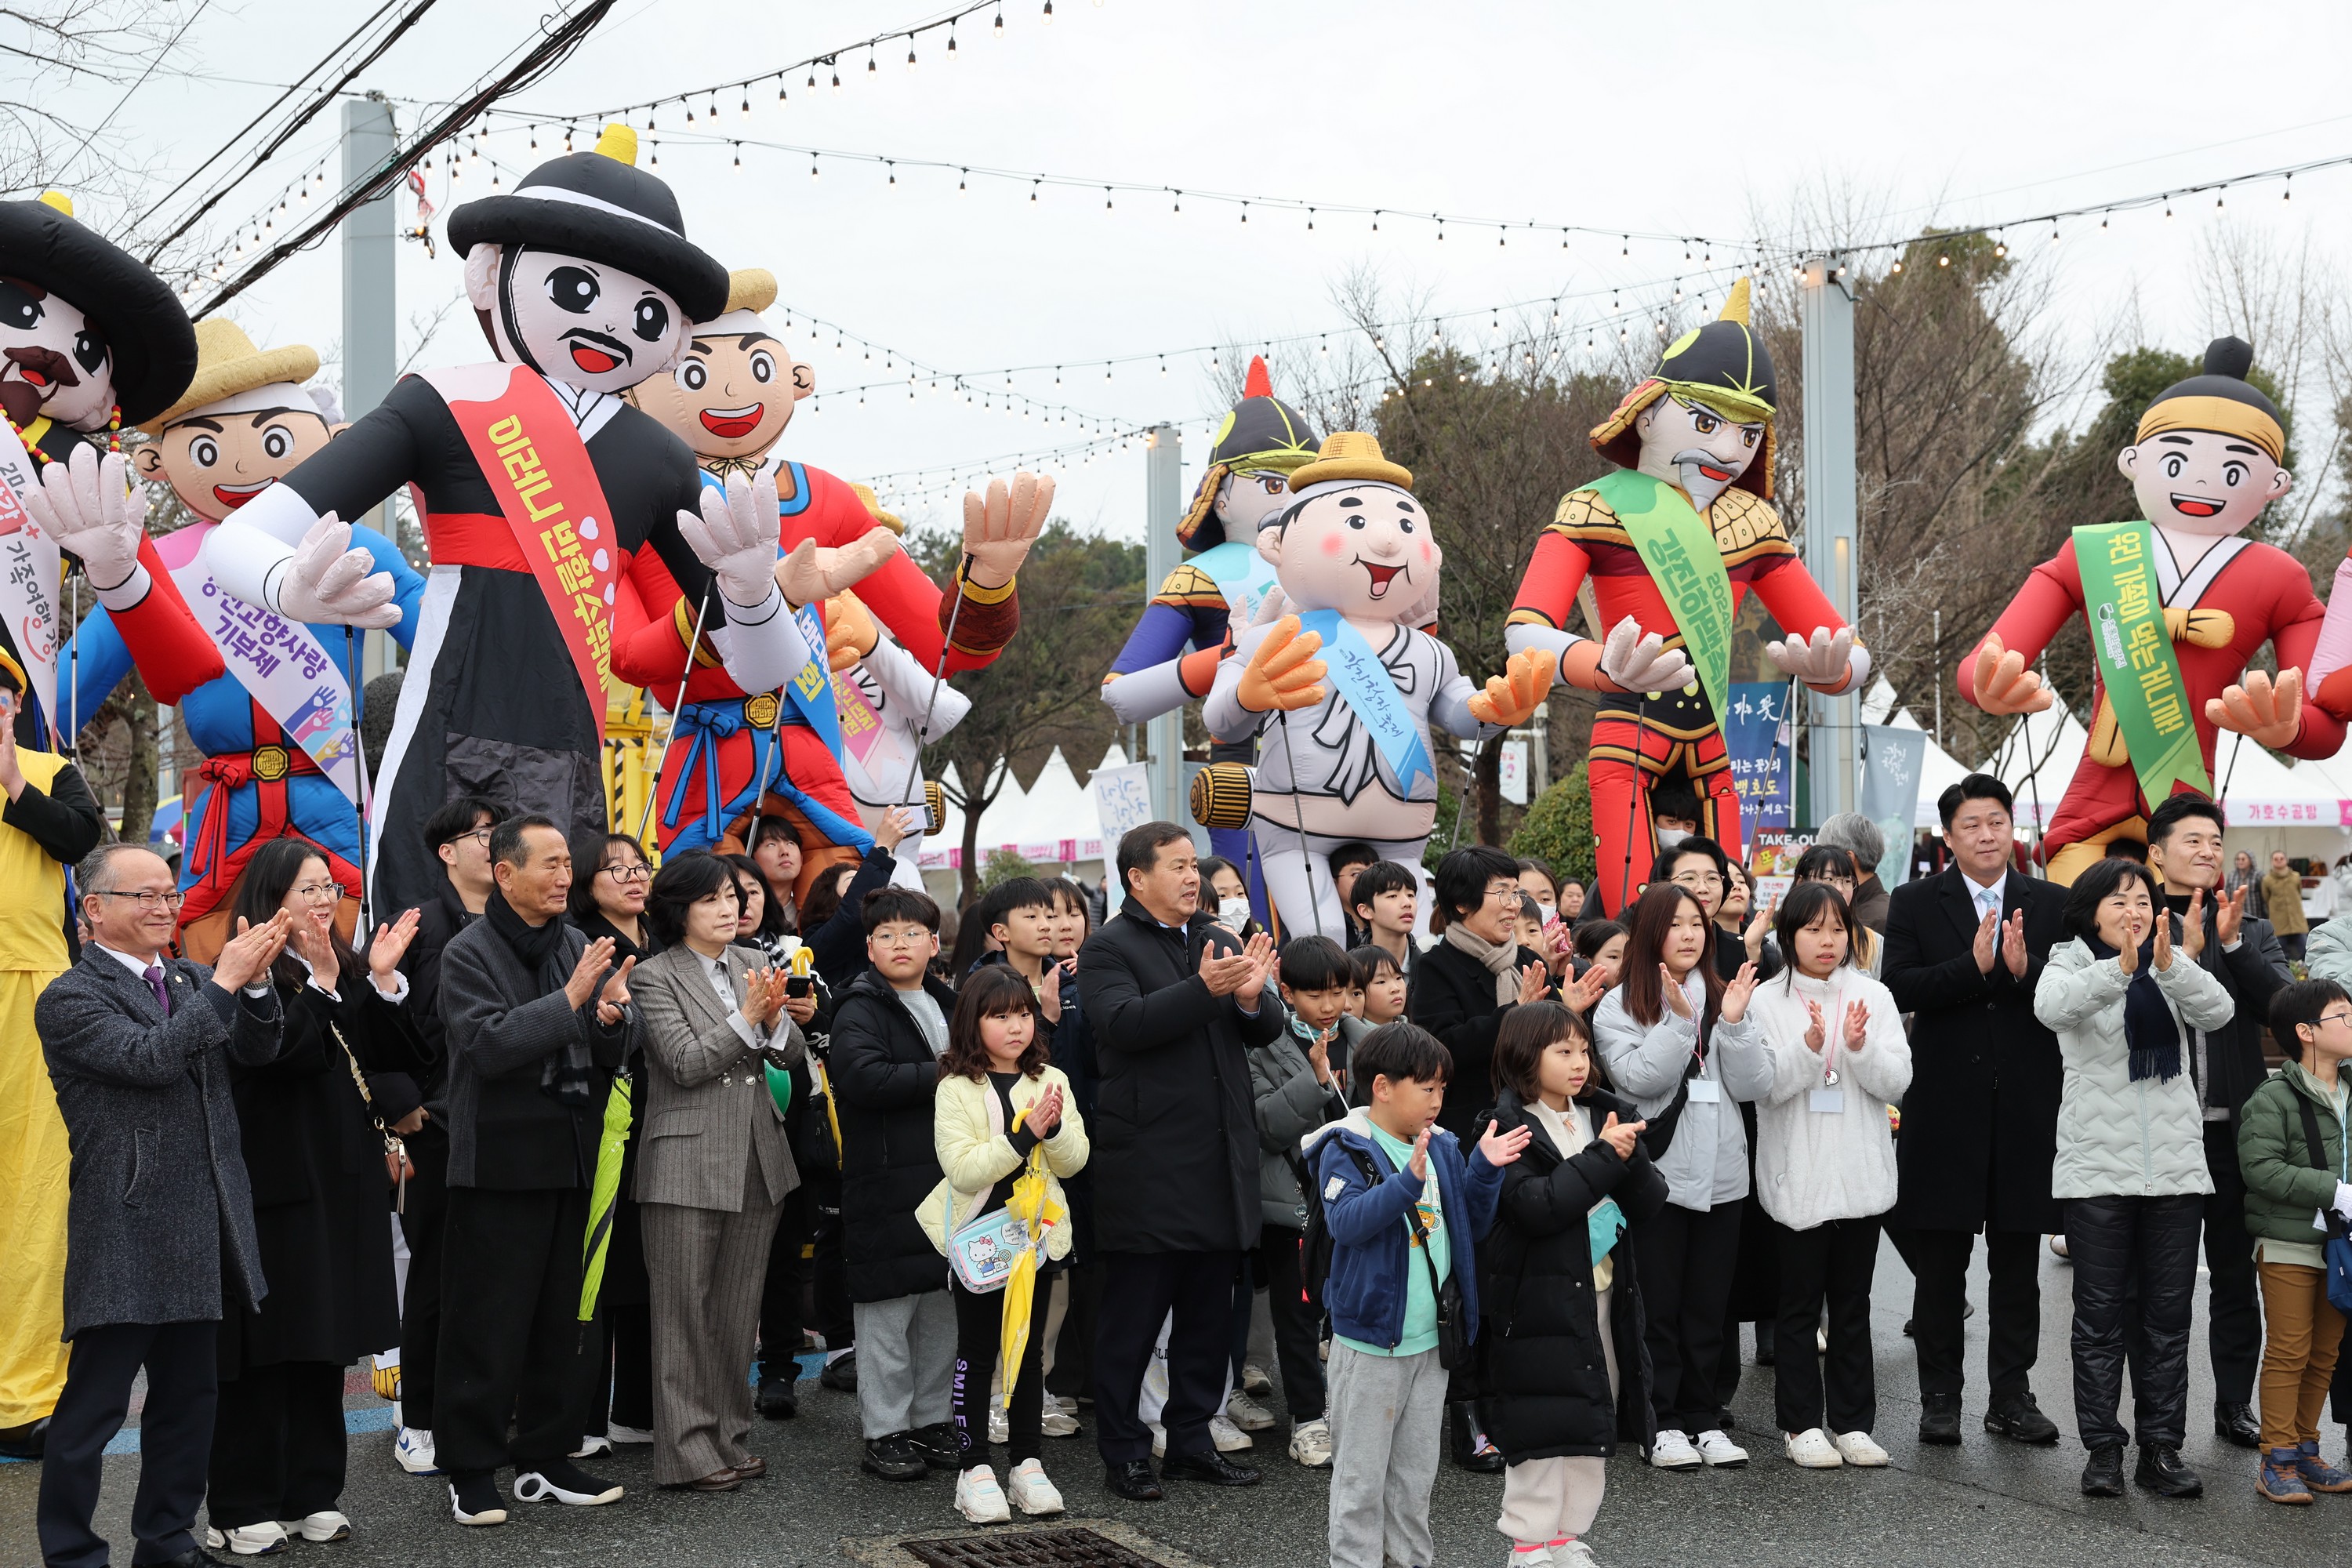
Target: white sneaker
<point>1247,1413</point>
<point>413,1452</point>
<point>1859,1449</point>
<point>1813,1449</point>
<point>1310,1443</point>
<point>262,1540</point>
<point>1228,1437</point>
<point>1063,1402</point>
<point>1671,1450</point>
<point>999,1427</point>
<point>978,1496</point>
<point>1255,1379</point>
<point>1032,1491</point>
<point>1571,1553</point>
<point>1058,1424</point>
<point>620,1434</point>
<point>534,1485</point>
<point>494,1514</point>
<point>592,1445</point>
<point>1531,1554</point>
<point>324,1525</point>
<point>1720,1451</point>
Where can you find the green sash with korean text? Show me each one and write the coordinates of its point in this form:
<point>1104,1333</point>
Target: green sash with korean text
<point>2135,659</point>
<point>1678,547</point>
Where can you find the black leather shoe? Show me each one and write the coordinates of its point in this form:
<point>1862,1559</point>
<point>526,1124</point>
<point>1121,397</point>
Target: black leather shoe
<point>841,1376</point>
<point>778,1399</point>
<point>194,1557</point>
<point>2020,1419</point>
<point>1212,1466</point>
<point>24,1442</point>
<point>1468,1452</point>
<point>1133,1480</point>
<point>938,1445</point>
<point>2103,1474</point>
<point>1939,1419</point>
<point>2162,1470</point>
<point>2236,1423</point>
<point>1768,1343</point>
<point>894,1459</point>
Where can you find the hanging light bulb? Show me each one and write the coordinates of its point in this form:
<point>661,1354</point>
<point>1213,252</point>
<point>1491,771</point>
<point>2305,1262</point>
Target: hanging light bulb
<point>1048,18</point>
<point>739,154</point>
<point>835,66</point>
<point>894,172</point>
<point>952,47</point>
<point>812,166</point>
<point>534,138</point>
<point>961,174</point>
<point>1000,21</point>
<point>745,112</point>
<point>910,51</point>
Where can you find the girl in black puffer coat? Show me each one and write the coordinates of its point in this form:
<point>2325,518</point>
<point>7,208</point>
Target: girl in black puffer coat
<point>1562,1357</point>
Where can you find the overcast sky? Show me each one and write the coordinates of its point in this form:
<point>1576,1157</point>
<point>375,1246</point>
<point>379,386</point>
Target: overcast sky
<point>1696,120</point>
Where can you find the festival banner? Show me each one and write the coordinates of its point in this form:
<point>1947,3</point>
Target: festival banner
<point>2134,654</point>
<point>1759,738</point>
<point>28,578</point>
<point>1891,762</point>
<point>1679,548</point>
<point>280,663</point>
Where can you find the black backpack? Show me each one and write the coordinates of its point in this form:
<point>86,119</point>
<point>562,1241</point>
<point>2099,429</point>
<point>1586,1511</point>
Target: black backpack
<point>1315,1255</point>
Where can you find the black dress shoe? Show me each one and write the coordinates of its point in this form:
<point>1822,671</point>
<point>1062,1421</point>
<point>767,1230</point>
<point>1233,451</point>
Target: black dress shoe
<point>1939,1419</point>
<point>2103,1474</point>
<point>894,1459</point>
<point>1211,1467</point>
<point>1133,1480</point>
<point>2162,1470</point>
<point>778,1399</point>
<point>841,1376</point>
<point>24,1442</point>
<point>194,1557</point>
<point>2019,1418</point>
<point>1469,1452</point>
<point>1768,1343</point>
<point>2236,1423</point>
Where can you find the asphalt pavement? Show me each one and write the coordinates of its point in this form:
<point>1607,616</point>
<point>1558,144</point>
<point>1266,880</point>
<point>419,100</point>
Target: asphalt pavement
<point>1988,1501</point>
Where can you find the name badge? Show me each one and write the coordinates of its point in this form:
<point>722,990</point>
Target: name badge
<point>1704,1091</point>
<point>1828,1101</point>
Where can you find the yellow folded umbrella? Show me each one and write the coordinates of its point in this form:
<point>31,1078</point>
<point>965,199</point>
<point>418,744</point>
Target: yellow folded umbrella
<point>1030,1205</point>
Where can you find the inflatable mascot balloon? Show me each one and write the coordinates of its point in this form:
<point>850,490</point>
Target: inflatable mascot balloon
<point>1350,759</point>
<point>1671,541</point>
<point>2176,599</point>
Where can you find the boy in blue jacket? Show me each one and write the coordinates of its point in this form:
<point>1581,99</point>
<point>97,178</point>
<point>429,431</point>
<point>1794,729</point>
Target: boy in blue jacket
<point>1397,1236</point>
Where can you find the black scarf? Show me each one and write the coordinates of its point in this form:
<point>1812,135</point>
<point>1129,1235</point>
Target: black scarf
<point>566,1076</point>
<point>2150,1029</point>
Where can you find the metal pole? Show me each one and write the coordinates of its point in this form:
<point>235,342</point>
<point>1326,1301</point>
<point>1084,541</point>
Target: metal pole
<point>370,338</point>
<point>1163,500</point>
<point>1829,512</point>
<point>1540,763</point>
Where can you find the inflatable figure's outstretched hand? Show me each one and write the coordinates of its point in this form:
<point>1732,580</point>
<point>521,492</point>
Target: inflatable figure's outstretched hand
<point>1511,697</point>
<point>735,535</point>
<point>850,633</point>
<point>86,505</point>
<point>2003,683</point>
<point>2268,713</point>
<point>1639,663</point>
<point>999,529</point>
<point>1284,673</point>
<point>328,579</point>
<point>814,571</point>
<point>1824,660</point>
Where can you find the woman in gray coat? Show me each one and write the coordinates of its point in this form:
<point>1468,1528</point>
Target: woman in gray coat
<point>714,1171</point>
<point>2131,1159</point>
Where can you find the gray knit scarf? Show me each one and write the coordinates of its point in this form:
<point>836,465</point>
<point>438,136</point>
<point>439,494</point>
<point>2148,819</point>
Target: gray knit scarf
<point>1500,961</point>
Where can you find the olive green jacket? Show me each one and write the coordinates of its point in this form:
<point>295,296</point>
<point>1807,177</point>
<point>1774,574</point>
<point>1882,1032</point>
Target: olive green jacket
<point>2284,1189</point>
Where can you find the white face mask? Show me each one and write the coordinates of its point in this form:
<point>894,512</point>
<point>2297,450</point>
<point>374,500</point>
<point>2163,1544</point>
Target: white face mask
<point>1233,913</point>
<point>1670,836</point>
<point>1546,913</point>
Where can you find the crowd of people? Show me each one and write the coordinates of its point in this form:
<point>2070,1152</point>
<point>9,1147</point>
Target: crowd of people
<point>1496,1181</point>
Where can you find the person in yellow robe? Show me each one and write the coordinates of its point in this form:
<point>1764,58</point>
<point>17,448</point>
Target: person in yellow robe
<point>48,821</point>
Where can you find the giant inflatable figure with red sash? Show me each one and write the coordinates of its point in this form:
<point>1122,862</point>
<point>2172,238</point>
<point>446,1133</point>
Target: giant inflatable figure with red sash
<point>90,341</point>
<point>2176,600</point>
<point>740,751</point>
<point>280,730</point>
<point>1670,542</point>
<point>540,486</point>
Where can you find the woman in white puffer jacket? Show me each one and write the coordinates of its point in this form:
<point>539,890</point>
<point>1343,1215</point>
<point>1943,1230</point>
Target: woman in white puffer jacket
<point>1825,1168</point>
<point>2131,1159</point>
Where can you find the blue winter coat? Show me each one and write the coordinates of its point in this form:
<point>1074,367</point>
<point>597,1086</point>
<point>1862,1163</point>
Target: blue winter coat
<point>1371,1246</point>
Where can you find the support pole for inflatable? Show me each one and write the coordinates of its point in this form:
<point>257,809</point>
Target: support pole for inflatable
<point>1163,502</point>
<point>1833,760</point>
<point>371,335</point>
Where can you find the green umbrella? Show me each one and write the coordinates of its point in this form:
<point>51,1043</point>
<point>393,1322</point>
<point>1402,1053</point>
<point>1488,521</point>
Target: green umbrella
<point>604,1195</point>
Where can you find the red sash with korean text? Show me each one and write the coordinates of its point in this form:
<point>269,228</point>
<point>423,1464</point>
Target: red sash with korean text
<point>537,467</point>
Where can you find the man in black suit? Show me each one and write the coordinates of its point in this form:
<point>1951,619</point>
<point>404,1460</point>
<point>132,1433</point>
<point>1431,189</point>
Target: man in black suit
<point>2184,848</point>
<point>1964,952</point>
<point>159,1229</point>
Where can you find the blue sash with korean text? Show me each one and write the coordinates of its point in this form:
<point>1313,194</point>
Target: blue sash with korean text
<point>1369,690</point>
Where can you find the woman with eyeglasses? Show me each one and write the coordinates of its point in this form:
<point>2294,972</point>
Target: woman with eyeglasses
<point>610,876</point>
<point>310,1125</point>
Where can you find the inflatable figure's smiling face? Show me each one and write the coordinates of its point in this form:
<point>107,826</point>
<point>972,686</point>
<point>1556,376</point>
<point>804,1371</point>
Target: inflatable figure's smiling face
<point>731,394</point>
<point>575,320</point>
<point>1362,548</point>
<point>215,461</point>
<point>2201,481</point>
<point>52,360</point>
<point>1697,448</point>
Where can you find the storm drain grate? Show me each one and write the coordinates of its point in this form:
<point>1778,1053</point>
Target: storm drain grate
<point>1029,1549</point>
